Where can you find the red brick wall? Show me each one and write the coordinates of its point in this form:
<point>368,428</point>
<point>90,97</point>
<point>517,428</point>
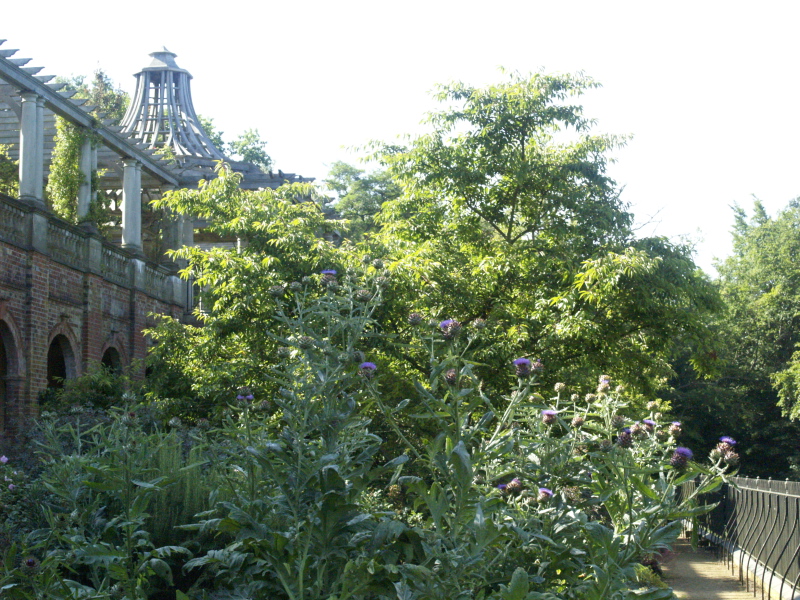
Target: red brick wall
<point>41,298</point>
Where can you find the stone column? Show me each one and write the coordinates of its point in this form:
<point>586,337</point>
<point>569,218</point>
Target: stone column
<point>85,191</point>
<point>131,207</point>
<point>30,141</point>
<point>40,148</point>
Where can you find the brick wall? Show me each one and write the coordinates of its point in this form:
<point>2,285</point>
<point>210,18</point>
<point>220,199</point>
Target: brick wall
<point>41,297</point>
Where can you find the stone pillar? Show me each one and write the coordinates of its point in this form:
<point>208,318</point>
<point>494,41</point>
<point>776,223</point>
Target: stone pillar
<point>131,207</point>
<point>40,148</point>
<point>85,191</point>
<point>30,142</point>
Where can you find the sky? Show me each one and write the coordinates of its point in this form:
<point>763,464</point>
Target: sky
<point>707,90</point>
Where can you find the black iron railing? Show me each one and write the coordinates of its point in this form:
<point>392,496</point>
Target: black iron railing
<point>756,526</point>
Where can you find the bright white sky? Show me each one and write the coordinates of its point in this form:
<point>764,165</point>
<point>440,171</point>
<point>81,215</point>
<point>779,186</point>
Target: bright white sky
<point>709,90</point>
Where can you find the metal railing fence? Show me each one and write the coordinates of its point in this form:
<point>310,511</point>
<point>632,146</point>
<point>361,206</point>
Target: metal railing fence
<point>756,526</point>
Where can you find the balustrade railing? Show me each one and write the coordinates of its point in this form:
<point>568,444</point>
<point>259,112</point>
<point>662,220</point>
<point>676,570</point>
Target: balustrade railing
<point>756,525</point>
<point>35,229</point>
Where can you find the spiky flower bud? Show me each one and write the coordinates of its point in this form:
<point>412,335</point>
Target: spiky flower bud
<point>652,405</point>
<point>617,421</point>
<point>559,387</point>
<point>624,438</point>
<point>479,323</point>
<point>649,425</point>
<point>638,430</point>
<point>277,291</point>
<point>603,386</point>
<point>606,445</point>
<point>590,397</point>
<point>414,319</point>
<point>574,397</point>
<point>295,286</point>
<point>451,376</point>
<point>544,495</point>
<point>305,342</point>
<point>731,458</point>
<point>363,295</point>
<point>577,421</point>
<point>514,486</point>
<point>675,428</point>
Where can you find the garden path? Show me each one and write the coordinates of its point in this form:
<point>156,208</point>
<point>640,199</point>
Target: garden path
<point>697,575</point>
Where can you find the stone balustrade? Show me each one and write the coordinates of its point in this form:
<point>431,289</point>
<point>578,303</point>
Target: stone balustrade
<point>28,226</point>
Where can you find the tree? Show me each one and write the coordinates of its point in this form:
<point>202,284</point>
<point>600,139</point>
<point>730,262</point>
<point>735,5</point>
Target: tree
<point>507,214</point>
<point>755,353</point>
<point>359,195</point>
<point>248,147</point>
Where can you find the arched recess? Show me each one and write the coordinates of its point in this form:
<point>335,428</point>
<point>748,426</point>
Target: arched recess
<point>112,360</point>
<point>11,368</point>
<point>62,359</point>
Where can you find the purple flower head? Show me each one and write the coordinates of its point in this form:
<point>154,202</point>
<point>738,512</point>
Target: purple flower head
<point>3,459</point>
<point>549,416</point>
<point>676,423</point>
<point>727,440</point>
<point>367,369</point>
<point>502,487</point>
<point>329,272</point>
<point>626,430</point>
<point>450,329</point>
<point>680,457</point>
<point>649,422</point>
<point>11,487</point>
<point>544,495</point>
<point>523,366</point>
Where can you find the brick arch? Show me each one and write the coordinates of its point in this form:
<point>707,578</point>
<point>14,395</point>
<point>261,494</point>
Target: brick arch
<point>65,337</point>
<point>11,336</point>
<point>12,368</point>
<point>118,344</point>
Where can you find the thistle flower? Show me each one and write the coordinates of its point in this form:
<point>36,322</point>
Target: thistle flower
<point>367,370</point>
<point>638,430</point>
<point>450,329</point>
<point>559,387</point>
<point>523,367</point>
<point>544,495</point>
<point>414,318</point>
<point>577,421</point>
<point>590,397</point>
<point>329,272</point>
<point>574,397</point>
<point>617,421</point>
<point>514,486</point>
<point>363,295</point>
<point>479,323</point>
<point>603,386</point>
<point>537,365</point>
<point>649,425</point>
<point>549,416</point>
<point>295,286</point>
<point>276,291</point>
<point>30,564</point>
<point>652,405</point>
<point>451,376</point>
<point>3,459</point>
<point>377,263</point>
<point>11,487</point>
<point>726,443</point>
<point>605,445</point>
<point>730,458</point>
<point>624,438</point>
<point>680,457</point>
<point>305,342</point>
<point>382,281</point>
<point>675,428</point>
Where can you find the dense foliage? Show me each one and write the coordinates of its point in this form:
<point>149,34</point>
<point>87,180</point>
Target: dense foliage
<point>292,496</point>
